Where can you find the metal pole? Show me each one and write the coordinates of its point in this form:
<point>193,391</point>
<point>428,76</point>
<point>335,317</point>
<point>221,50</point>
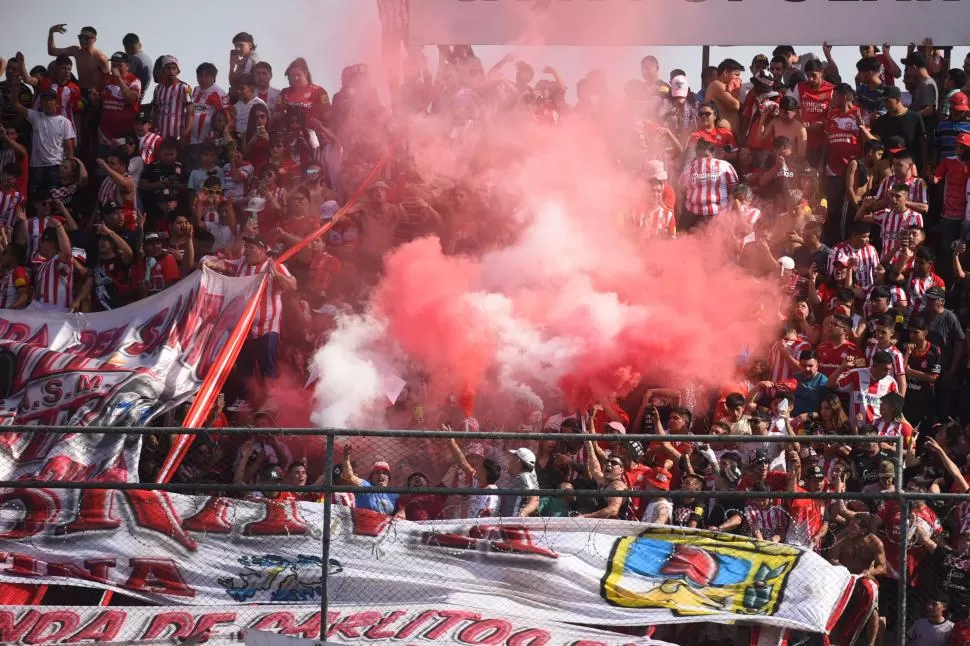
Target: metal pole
<point>325,581</point>
<point>903,545</point>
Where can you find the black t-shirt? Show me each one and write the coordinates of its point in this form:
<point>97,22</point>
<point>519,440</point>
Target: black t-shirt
<point>953,570</point>
<point>867,468</point>
<point>931,362</point>
<point>684,513</point>
<point>908,125</point>
<point>724,507</point>
<point>159,171</point>
<point>783,180</point>
<point>111,284</point>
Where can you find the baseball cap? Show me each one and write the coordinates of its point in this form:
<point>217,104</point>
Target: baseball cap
<point>152,237</point>
<point>381,465</point>
<point>144,116</point>
<point>616,427</point>
<point>328,209</point>
<point>760,457</point>
<point>763,80</point>
<point>525,455</point>
<point>963,139</point>
<point>679,86</point>
<point>887,468</point>
<point>892,92</point>
<point>658,478</point>
<point>475,449</point>
<point>959,102</point>
<point>655,170</point>
<point>119,57</point>
<point>915,59</point>
<point>256,204</point>
<point>47,93</point>
<point>895,144</point>
<point>168,59</point>
<point>815,472</point>
<point>935,293</point>
<point>256,241</point>
<point>108,207</point>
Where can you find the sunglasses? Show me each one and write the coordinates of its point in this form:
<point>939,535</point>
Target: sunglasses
<point>614,463</point>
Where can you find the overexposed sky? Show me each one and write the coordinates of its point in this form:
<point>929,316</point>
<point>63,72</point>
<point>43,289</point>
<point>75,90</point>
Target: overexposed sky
<point>330,34</point>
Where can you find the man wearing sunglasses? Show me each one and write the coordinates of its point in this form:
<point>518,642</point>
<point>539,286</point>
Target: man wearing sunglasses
<point>90,62</point>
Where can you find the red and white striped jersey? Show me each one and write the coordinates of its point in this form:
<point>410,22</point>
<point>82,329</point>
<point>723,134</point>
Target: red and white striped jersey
<point>205,103</point>
<point>35,228</point>
<point>68,98</point>
<point>147,146</point>
<point>772,521</point>
<point>780,369</point>
<point>892,428</point>
<point>902,260</point>
<point>108,192</point>
<point>864,392</point>
<point>657,222</point>
<point>899,361</point>
<point>169,102</point>
<point>893,223</point>
<point>707,184</point>
<point>866,261</point>
<point>13,281</point>
<point>55,284</point>
<point>8,207</point>
<point>267,319</point>
<point>917,188</point>
<point>269,97</point>
<point>917,287</point>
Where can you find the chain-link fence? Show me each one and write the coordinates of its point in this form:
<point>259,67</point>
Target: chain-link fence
<point>510,525</point>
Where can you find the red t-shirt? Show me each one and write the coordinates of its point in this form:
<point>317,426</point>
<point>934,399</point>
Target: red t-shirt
<point>117,113</point>
<point>163,273</point>
<point>776,481</point>
<point>830,357</point>
<point>844,144</point>
<point>954,174</point>
<point>815,109</point>
<point>306,98</point>
<point>720,137</point>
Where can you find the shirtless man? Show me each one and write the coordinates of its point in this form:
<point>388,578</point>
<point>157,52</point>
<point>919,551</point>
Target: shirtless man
<point>725,91</point>
<point>91,63</point>
<point>861,552</point>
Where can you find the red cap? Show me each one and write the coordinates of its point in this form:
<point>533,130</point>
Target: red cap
<point>381,465</point>
<point>963,139</point>
<point>658,478</point>
<point>960,102</point>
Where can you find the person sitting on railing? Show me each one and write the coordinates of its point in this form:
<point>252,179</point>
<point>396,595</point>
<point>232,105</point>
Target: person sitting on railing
<point>380,476</point>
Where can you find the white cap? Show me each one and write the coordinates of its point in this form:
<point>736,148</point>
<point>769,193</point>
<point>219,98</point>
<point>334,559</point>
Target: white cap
<point>328,209</point>
<point>616,427</point>
<point>655,170</point>
<point>256,204</point>
<point>678,86</point>
<point>525,455</point>
<point>786,263</point>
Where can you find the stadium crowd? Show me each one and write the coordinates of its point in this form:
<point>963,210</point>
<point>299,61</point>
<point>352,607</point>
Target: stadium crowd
<point>852,185</point>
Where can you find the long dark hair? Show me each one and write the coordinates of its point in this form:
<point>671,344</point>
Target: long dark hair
<point>251,124</point>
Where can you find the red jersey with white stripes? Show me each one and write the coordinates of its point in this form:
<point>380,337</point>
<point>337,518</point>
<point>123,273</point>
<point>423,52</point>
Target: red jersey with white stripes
<point>117,113</point>
<point>169,102</point>
<point>11,283</point>
<point>205,103</point>
<point>148,146</point>
<point>9,200</point>
<point>707,184</point>
<point>772,521</point>
<point>780,368</point>
<point>899,361</point>
<point>68,98</point>
<point>897,298</point>
<point>305,98</point>
<point>954,172</point>
<point>902,260</point>
<point>917,188</point>
<point>917,287</point>
<point>657,222</point>
<point>893,428</point>
<point>267,319</point>
<point>842,134</point>
<point>892,223</point>
<point>55,283</point>
<point>865,393</point>
<point>814,108</point>
<point>866,261</point>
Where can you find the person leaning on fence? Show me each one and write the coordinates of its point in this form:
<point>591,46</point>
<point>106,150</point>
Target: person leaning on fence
<point>522,466</point>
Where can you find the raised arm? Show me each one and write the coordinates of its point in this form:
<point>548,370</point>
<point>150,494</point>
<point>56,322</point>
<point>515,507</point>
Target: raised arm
<point>348,469</point>
<point>53,50</point>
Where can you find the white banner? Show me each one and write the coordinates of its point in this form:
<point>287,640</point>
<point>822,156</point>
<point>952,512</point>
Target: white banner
<point>427,623</point>
<point>204,551</point>
<point>117,368</point>
<point>688,22</point>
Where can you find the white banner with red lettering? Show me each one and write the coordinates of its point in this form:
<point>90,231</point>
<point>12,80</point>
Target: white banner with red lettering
<point>203,551</point>
<point>427,623</point>
<point>687,22</point>
<point>117,368</point>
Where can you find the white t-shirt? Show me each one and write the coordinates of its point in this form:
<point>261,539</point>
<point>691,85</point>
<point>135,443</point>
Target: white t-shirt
<point>222,234</point>
<point>926,634</point>
<point>483,503</point>
<point>652,513</point>
<point>242,113</point>
<point>47,142</point>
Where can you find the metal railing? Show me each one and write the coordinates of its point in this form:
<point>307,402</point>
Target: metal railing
<point>328,486</point>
